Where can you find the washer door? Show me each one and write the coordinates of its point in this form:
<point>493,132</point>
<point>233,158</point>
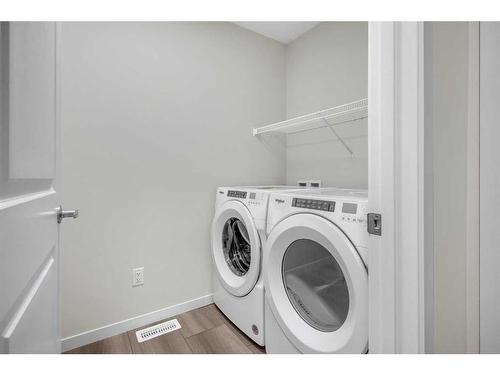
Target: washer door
<point>317,286</point>
<point>236,248</point>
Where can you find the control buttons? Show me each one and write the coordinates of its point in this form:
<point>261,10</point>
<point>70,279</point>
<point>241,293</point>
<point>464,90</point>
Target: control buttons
<point>353,219</point>
<point>313,204</point>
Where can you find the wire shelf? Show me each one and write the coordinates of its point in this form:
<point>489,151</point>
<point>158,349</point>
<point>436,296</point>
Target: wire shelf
<point>326,118</point>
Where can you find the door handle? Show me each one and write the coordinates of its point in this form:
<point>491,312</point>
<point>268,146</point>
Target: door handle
<point>61,214</point>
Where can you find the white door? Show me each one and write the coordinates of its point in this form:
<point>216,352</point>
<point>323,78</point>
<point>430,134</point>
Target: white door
<point>489,188</point>
<point>29,189</point>
<point>317,286</point>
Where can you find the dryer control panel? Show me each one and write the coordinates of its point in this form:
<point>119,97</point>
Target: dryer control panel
<point>314,204</point>
<point>346,209</point>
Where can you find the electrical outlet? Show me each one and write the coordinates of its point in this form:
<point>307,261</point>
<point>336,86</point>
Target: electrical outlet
<point>137,276</point>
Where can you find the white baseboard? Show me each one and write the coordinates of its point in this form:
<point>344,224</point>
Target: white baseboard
<point>109,330</point>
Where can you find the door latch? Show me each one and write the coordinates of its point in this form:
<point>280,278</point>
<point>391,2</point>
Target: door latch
<point>61,214</point>
<point>374,224</point>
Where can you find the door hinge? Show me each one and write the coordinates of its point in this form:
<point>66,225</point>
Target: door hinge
<point>374,224</point>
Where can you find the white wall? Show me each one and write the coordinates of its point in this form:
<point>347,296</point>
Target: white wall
<point>155,116</point>
<point>326,67</point>
<point>447,79</point>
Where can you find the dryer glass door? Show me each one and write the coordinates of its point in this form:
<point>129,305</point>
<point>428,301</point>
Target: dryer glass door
<point>315,285</point>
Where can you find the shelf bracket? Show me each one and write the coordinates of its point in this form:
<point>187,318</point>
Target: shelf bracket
<point>338,136</point>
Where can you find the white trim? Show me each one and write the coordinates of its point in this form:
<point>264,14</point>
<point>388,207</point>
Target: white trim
<point>109,330</point>
<point>396,187</point>
<point>381,320</point>
<point>472,234</point>
<point>428,225</point>
<point>409,188</point>
<point>57,181</point>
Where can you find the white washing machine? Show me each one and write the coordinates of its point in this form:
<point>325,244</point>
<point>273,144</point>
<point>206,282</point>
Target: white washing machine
<point>238,236</point>
<point>316,276</point>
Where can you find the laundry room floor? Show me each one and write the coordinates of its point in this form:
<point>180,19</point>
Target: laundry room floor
<point>204,331</point>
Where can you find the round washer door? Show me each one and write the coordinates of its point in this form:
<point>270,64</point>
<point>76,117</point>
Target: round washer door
<point>236,248</point>
<point>317,286</point>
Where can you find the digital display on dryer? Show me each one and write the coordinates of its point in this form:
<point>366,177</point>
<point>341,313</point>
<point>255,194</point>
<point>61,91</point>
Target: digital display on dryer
<point>349,208</point>
<point>237,194</point>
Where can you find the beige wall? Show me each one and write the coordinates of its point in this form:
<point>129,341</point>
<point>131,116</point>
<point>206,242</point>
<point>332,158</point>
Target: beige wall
<point>489,327</point>
<point>326,67</point>
<point>155,116</point>
<point>448,87</point>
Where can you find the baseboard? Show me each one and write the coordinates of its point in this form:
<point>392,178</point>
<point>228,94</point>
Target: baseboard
<point>109,330</point>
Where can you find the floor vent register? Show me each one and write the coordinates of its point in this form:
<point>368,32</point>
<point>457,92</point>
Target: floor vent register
<point>157,330</point>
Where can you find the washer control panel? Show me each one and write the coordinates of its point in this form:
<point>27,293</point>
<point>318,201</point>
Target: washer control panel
<point>237,194</point>
<point>314,204</point>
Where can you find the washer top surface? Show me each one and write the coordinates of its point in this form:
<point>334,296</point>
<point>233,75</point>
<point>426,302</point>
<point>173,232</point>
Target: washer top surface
<point>357,194</point>
<point>264,188</point>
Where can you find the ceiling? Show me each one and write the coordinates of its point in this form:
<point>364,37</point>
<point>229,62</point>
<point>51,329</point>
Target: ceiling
<point>284,32</point>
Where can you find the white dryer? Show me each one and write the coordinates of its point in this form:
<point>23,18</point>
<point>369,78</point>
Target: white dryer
<point>316,276</point>
<point>238,236</point>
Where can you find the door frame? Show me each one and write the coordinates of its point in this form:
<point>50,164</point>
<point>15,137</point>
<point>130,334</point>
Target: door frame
<point>397,187</point>
<point>58,163</point>
<point>402,259</point>
<point>472,234</point>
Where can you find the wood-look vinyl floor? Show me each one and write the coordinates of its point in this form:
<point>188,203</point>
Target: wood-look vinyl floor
<point>204,331</point>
